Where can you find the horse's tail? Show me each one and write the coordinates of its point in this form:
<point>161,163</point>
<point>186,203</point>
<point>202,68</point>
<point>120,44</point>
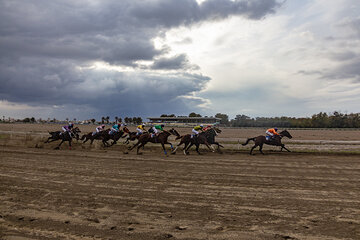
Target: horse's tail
<point>248,140</point>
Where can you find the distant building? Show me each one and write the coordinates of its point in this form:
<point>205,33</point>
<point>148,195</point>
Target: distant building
<point>185,120</point>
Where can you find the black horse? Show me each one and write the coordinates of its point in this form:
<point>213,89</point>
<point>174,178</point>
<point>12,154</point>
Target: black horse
<point>162,138</point>
<point>207,138</point>
<point>64,136</point>
<point>275,141</point>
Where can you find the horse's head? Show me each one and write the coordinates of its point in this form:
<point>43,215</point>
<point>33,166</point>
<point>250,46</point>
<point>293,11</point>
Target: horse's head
<point>213,131</point>
<point>285,133</point>
<point>125,129</point>
<point>174,132</point>
<point>217,129</point>
<point>76,130</point>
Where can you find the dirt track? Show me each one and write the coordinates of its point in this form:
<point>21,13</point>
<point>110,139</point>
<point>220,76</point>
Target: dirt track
<point>104,194</point>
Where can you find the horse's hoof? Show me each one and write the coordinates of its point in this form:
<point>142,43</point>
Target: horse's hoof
<point>126,152</point>
<point>139,153</point>
<point>173,153</point>
<point>57,148</point>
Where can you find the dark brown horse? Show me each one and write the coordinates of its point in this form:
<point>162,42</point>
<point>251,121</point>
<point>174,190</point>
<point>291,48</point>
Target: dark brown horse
<point>162,138</point>
<point>91,136</point>
<point>207,138</point>
<point>275,141</point>
<point>132,136</point>
<point>115,136</point>
<point>64,136</point>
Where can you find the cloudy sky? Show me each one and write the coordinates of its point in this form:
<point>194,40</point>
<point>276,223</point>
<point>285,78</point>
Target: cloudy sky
<point>93,58</point>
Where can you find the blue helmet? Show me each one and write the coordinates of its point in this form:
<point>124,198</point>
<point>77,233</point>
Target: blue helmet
<point>275,129</point>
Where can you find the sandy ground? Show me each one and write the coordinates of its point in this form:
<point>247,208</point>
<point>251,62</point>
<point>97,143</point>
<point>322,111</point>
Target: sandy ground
<point>95,193</point>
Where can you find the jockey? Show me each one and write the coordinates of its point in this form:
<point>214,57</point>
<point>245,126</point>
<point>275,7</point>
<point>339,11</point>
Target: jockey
<point>196,130</point>
<point>140,129</point>
<point>156,128</point>
<point>207,127</point>
<point>270,133</point>
<point>68,128</point>
<point>99,129</point>
<point>114,129</point>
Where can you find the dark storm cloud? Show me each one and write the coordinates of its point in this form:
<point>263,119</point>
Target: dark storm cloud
<point>173,63</point>
<point>347,70</point>
<point>46,46</point>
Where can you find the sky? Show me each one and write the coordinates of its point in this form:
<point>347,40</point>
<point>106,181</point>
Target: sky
<point>261,58</point>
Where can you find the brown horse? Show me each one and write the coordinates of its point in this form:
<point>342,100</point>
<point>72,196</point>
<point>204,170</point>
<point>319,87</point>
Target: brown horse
<point>162,138</point>
<point>64,136</point>
<point>207,138</point>
<point>276,141</point>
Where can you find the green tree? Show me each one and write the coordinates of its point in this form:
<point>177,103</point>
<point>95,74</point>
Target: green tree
<point>224,118</point>
<point>194,115</point>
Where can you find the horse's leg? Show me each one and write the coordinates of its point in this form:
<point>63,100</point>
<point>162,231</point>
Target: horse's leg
<point>172,147</point>
<point>174,151</point>
<point>58,147</point>
<point>218,144</point>
<point>136,144</point>
<point>184,149</point>
<point>114,142</point>
<point>283,146</point>
<point>211,148</point>
<point>163,146</point>
<point>70,144</point>
<point>197,148</point>
<point>138,148</point>
<point>260,149</point>
<point>52,140</point>
<point>188,147</point>
<point>106,144</point>
<point>253,149</point>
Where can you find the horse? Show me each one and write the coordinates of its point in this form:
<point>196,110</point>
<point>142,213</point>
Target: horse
<point>275,141</point>
<point>106,136</point>
<point>91,136</point>
<point>207,138</point>
<point>132,136</point>
<point>162,138</point>
<point>63,136</point>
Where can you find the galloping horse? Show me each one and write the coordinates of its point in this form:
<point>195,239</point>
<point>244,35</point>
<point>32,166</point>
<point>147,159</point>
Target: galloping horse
<point>162,138</point>
<point>207,138</point>
<point>91,136</point>
<point>106,136</point>
<point>63,136</point>
<point>132,136</point>
<point>276,141</point>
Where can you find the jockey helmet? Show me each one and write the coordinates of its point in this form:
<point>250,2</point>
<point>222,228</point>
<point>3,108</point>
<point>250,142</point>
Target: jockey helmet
<point>201,125</point>
<point>103,126</point>
<point>71,124</point>
<point>275,129</point>
<point>162,125</point>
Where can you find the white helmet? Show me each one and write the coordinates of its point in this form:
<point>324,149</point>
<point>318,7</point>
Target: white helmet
<point>201,125</point>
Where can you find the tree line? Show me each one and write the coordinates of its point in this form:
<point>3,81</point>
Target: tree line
<point>320,120</point>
